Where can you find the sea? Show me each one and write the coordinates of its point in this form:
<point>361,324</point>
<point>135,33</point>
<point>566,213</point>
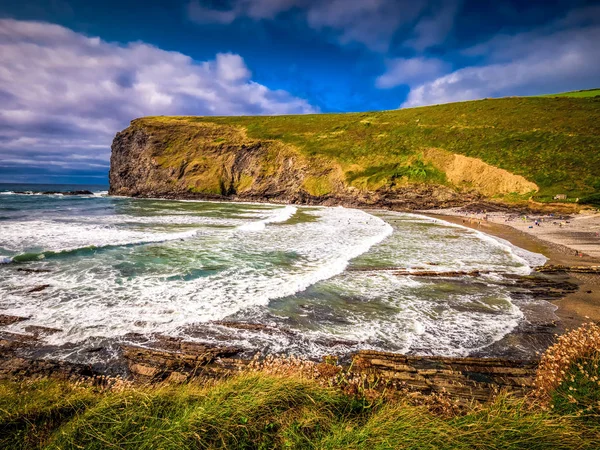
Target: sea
<point>103,270</point>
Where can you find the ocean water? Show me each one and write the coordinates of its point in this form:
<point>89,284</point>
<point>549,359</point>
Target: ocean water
<point>320,280</point>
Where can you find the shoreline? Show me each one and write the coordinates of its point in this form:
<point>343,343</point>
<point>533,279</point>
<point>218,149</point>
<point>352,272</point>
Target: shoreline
<point>178,360</point>
<point>573,309</point>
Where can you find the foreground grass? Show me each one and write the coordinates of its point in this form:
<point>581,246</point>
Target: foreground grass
<point>551,141</point>
<point>265,411</point>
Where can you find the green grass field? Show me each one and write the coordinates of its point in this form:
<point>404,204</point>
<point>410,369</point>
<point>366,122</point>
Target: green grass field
<point>551,141</point>
<point>281,404</point>
<point>264,412</point>
<point>576,94</point>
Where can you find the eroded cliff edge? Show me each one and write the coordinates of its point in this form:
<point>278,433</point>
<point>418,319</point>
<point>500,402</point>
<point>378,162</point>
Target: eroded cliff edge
<point>512,149</point>
<point>176,158</point>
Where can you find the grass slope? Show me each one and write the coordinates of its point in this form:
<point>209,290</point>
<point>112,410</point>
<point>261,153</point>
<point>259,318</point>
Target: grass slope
<point>551,141</point>
<point>576,94</point>
<point>265,411</point>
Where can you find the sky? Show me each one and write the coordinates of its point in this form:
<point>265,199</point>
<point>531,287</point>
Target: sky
<point>75,72</point>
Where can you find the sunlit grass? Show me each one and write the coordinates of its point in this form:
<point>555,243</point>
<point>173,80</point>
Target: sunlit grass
<point>551,141</point>
<point>288,403</point>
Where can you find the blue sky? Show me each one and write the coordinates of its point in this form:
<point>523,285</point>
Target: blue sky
<point>74,72</point>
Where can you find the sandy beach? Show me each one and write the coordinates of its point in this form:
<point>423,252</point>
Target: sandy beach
<point>570,240</point>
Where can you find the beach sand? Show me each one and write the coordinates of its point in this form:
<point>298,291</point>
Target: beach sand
<point>574,243</point>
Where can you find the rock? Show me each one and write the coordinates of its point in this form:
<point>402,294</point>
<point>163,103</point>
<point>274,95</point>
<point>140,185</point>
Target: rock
<point>12,368</point>
<point>9,320</point>
<point>560,268</point>
<point>27,270</point>
<point>451,274</point>
<point>38,330</point>
<point>464,379</point>
<point>10,343</point>
<point>39,288</point>
<point>186,358</point>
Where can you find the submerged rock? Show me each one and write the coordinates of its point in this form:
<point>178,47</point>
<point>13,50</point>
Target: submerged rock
<point>9,320</point>
<point>39,288</point>
<point>38,330</point>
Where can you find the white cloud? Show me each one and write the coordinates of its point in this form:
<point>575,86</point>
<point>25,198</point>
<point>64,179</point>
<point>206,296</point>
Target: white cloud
<point>559,57</point>
<point>255,9</point>
<point>61,89</point>
<point>370,22</point>
<point>201,14</point>
<point>434,27</point>
<point>409,71</point>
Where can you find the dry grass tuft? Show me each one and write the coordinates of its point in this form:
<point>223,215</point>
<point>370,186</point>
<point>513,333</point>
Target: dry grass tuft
<point>570,352</point>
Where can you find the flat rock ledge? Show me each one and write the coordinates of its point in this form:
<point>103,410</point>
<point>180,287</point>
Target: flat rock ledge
<point>174,360</point>
<point>548,268</point>
<point>463,379</point>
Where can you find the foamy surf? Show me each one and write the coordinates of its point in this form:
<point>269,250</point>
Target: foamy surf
<point>198,262</point>
<point>279,216</point>
<point>48,236</point>
<point>528,259</point>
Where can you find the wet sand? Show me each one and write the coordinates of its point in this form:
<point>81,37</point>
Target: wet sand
<point>557,243</point>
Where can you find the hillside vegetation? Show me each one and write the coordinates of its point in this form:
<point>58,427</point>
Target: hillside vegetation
<point>281,406</point>
<point>550,145</point>
<point>262,411</point>
<point>576,94</point>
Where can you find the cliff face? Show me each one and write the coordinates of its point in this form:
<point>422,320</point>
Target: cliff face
<point>150,161</point>
<point>436,156</point>
<point>171,158</point>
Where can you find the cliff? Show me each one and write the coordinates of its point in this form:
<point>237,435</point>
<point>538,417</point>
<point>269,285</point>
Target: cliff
<point>429,157</point>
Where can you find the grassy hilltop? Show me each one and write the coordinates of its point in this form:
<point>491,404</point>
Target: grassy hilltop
<point>551,145</point>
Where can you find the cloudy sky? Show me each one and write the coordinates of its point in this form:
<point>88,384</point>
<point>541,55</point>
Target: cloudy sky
<point>74,72</point>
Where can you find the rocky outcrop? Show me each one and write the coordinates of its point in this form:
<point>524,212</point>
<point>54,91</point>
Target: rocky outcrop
<point>464,379</point>
<point>176,360</point>
<point>9,320</point>
<point>549,268</point>
<point>461,378</point>
<point>171,158</point>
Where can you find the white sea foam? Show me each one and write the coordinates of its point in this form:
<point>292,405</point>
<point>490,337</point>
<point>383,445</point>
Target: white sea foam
<point>525,259</point>
<point>409,318</point>
<point>110,305</point>
<point>279,216</point>
<point>50,236</point>
<point>5,259</point>
<point>233,263</point>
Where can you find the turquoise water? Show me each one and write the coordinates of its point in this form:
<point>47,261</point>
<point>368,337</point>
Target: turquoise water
<point>320,280</point>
